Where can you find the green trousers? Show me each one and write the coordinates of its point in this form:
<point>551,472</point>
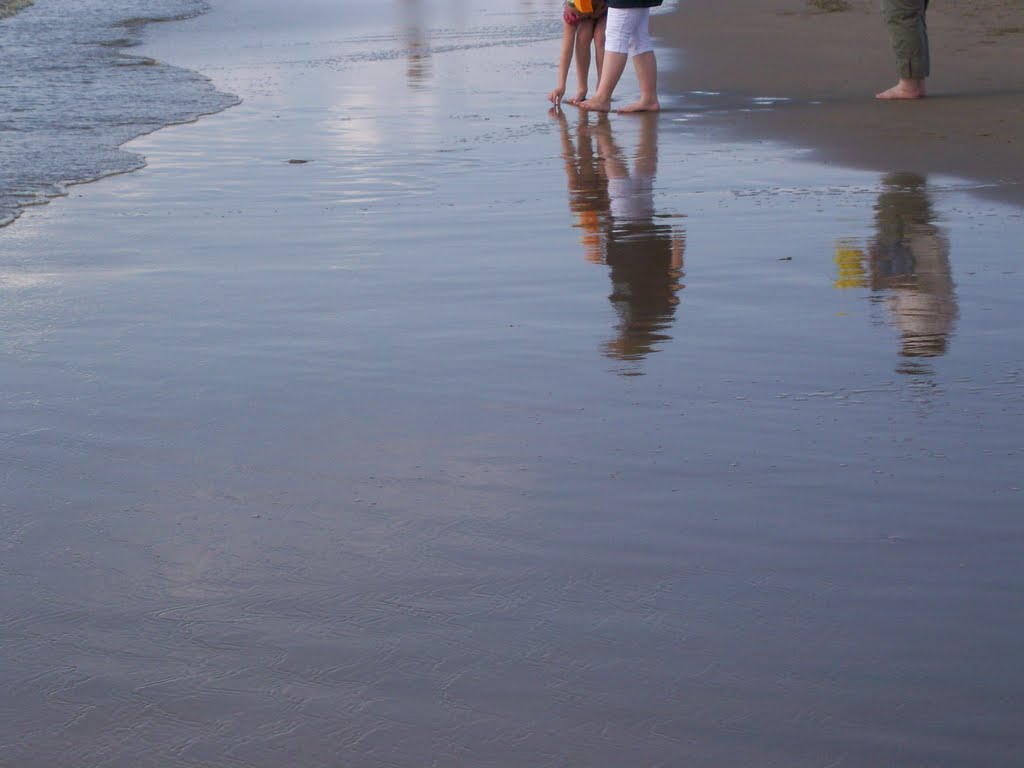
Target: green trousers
<point>909,32</point>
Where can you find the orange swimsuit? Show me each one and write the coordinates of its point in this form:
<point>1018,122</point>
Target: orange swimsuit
<point>583,10</point>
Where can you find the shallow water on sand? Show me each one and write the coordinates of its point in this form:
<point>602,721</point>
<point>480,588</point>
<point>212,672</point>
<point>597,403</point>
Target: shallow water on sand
<point>455,446</point>
<point>73,92</point>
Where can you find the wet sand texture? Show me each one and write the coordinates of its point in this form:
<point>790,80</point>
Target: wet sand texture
<point>492,438</point>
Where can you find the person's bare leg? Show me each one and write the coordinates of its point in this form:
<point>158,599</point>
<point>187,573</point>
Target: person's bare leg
<point>584,38</point>
<point>564,60</point>
<point>614,66</point>
<point>646,66</point>
<point>906,88</point>
<point>599,46</point>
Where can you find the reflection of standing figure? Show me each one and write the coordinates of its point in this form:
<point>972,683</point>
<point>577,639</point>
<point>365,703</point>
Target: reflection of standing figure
<point>911,256</point>
<point>908,262</point>
<point>615,206</point>
<point>416,45</point>
<point>588,190</point>
<point>646,258</point>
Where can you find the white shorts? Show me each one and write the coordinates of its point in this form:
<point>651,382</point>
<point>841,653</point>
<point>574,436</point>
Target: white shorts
<point>627,31</point>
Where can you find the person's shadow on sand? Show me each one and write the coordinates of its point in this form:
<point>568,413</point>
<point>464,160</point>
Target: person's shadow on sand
<point>613,204</point>
<point>907,268</point>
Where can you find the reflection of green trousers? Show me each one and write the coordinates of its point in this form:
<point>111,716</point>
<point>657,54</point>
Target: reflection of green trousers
<point>909,32</point>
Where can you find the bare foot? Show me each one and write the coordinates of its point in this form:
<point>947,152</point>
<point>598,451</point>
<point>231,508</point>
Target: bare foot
<point>903,90</point>
<point>581,95</point>
<point>596,104</point>
<point>643,105</point>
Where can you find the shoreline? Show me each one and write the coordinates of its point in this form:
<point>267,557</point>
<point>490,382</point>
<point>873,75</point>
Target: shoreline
<point>45,156</point>
<point>824,68</point>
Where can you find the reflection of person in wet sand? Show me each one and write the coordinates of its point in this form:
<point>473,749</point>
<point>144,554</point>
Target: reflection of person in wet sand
<point>416,45</point>
<point>907,263</point>
<point>588,192</point>
<point>614,205</point>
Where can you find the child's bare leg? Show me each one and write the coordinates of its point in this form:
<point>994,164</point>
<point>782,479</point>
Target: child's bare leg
<point>599,46</point>
<point>614,66</point>
<point>646,66</point>
<point>584,37</point>
<point>564,60</point>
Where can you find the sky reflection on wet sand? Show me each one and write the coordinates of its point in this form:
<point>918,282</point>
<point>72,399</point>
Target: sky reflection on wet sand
<point>490,436</point>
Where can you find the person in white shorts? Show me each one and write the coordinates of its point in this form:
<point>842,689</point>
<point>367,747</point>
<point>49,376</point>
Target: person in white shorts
<point>627,34</point>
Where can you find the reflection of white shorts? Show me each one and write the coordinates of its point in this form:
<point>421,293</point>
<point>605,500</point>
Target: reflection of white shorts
<point>628,31</point>
<point>631,198</point>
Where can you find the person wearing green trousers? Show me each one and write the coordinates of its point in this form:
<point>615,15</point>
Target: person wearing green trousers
<point>909,32</point>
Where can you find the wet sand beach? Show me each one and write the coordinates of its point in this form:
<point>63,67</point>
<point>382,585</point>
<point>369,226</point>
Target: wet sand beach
<point>389,418</point>
<point>821,68</point>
